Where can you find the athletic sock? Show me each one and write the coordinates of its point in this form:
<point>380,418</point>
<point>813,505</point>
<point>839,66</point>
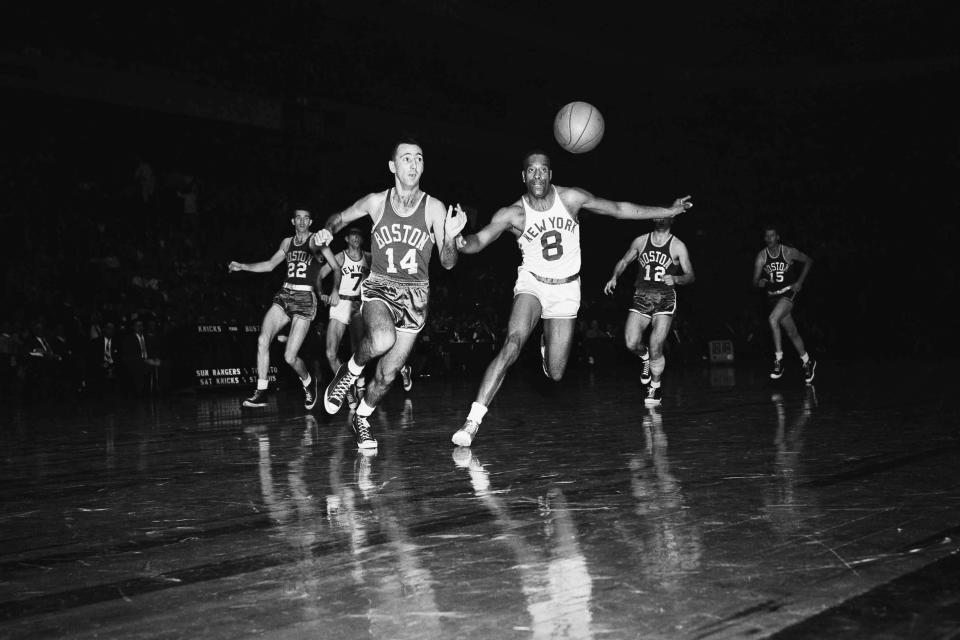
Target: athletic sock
<point>655,384</point>
<point>805,358</point>
<point>262,385</point>
<point>355,369</point>
<point>778,355</point>
<point>364,410</point>
<point>306,383</point>
<point>477,411</point>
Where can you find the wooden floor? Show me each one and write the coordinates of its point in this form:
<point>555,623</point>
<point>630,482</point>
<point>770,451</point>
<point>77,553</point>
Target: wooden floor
<point>739,509</point>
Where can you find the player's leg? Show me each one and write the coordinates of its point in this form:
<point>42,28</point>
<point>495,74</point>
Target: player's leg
<point>291,354</point>
<point>273,321</point>
<point>658,361</point>
<point>335,331</point>
<point>558,335</point>
<point>809,364</point>
<point>356,335</point>
<point>380,334</point>
<point>780,309</point>
<point>387,369</point>
<point>633,331</point>
<point>523,318</point>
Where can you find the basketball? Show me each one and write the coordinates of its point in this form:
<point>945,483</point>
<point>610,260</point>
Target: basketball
<point>578,127</point>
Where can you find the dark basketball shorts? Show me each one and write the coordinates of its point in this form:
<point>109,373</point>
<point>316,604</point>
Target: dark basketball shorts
<point>297,304</point>
<point>652,301</point>
<point>773,297</point>
<point>407,303</point>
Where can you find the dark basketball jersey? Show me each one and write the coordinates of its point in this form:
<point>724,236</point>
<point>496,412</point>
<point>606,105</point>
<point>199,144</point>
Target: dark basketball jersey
<point>300,264</point>
<point>401,245</point>
<point>655,262</point>
<point>777,270</point>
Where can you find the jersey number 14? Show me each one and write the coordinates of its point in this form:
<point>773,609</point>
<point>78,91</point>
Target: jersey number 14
<point>408,263</point>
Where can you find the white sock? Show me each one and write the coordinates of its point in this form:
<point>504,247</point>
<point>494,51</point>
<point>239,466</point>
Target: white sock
<point>805,358</point>
<point>355,369</point>
<point>778,355</point>
<point>477,411</point>
<point>655,384</point>
<point>262,385</point>
<point>306,382</point>
<point>364,410</point>
<point>646,355</point>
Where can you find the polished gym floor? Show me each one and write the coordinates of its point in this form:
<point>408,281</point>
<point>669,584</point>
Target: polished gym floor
<point>740,508</point>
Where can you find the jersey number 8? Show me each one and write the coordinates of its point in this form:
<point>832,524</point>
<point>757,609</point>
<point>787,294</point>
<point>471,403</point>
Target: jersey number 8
<point>552,245</point>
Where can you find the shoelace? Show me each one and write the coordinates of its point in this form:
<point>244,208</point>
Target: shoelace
<point>470,427</point>
<point>340,389</point>
<point>363,429</point>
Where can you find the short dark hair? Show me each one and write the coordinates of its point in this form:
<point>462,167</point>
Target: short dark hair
<point>403,140</point>
<point>771,226</point>
<point>536,152</point>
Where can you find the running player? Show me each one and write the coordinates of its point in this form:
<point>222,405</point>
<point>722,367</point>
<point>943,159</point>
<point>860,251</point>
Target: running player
<point>406,224</point>
<point>660,256</point>
<point>296,303</point>
<point>773,270</point>
<point>546,224</point>
<point>354,265</point>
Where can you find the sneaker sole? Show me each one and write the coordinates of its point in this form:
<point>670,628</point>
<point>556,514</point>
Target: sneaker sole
<point>367,444</point>
<point>645,380</point>
<point>652,403</point>
<point>813,373</point>
<point>253,405</point>
<point>774,376</point>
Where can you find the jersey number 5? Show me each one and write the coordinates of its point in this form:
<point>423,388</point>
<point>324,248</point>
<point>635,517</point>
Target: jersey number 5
<point>552,246</point>
<point>408,262</point>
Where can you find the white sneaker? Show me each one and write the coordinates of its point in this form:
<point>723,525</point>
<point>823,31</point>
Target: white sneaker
<point>465,435</point>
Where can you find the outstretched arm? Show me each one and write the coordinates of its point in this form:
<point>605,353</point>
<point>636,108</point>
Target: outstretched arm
<point>683,257</point>
<point>264,266</point>
<point>807,261</point>
<point>576,199</point>
<point>502,220</point>
<point>369,205</point>
<point>621,266</point>
<point>447,225</point>
<point>331,261</point>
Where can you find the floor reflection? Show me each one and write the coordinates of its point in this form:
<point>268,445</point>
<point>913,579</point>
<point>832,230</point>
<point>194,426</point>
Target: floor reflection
<point>554,578</point>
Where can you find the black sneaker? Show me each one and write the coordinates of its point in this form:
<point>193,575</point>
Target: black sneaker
<point>645,376</point>
<point>337,389</point>
<point>310,394</point>
<point>777,372</point>
<point>406,373</point>
<point>353,397</point>
<point>257,400</point>
<point>361,432</point>
<point>809,369</point>
<point>653,397</point>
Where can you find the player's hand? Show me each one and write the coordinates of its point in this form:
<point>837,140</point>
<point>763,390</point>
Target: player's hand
<point>680,205</point>
<point>762,283</point>
<point>797,286</point>
<point>322,237</point>
<point>610,286</point>
<point>324,298</point>
<point>334,299</point>
<point>234,266</point>
<point>454,222</point>
<point>669,280</point>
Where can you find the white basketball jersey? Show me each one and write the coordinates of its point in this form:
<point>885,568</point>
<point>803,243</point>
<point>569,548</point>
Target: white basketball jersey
<point>352,273</point>
<point>550,242</point>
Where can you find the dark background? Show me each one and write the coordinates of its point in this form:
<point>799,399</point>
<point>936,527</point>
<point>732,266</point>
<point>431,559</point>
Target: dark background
<point>837,121</point>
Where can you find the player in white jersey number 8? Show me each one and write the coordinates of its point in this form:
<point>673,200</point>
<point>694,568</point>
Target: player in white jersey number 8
<point>546,224</point>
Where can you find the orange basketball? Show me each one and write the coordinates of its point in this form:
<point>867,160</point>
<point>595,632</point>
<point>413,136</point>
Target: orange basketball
<point>578,127</point>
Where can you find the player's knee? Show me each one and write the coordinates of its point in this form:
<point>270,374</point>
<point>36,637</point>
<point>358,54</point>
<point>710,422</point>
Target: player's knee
<point>289,357</point>
<point>381,342</point>
<point>774,320</point>
<point>656,351</point>
<point>263,342</point>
